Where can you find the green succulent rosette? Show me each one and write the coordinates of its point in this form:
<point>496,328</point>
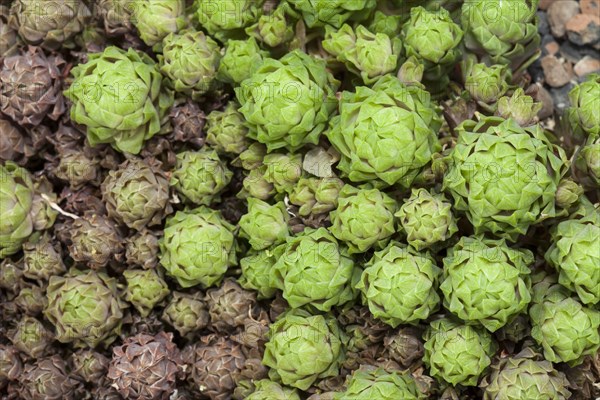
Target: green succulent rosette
<point>49,25</point>
<point>387,132</point>
<point>504,177</point>
<point>241,58</point>
<point>283,171</point>
<point>433,39</point>
<point>273,29</point>
<point>486,84</point>
<point>186,312</point>
<point>121,98</point>
<point>502,32</point>
<point>583,115</point>
<point>226,131</point>
<point>566,330</point>
<point>264,225</point>
<point>156,19</point>
<point>303,348</point>
<point>377,383</point>
<point>190,60</point>
<point>363,219</point>
<point>137,194</point>
<point>319,13</point>
<point>85,308</point>
<point>198,247</point>
<point>316,195</point>
<point>575,252</point>
<point>267,389</point>
<point>399,285</point>
<point>226,19</point>
<point>257,273</point>
<point>24,212</point>
<point>287,102</point>
<point>145,289</point>
<point>314,269</point>
<point>426,219</point>
<point>255,185</point>
<point>486,282</point>
<point>520,107</point>
<point>367,54</point>
<point>388,24</point>
<point>525,375</point>
<point>456,353</point>
<point>200,176</point>
<point>587,164</point>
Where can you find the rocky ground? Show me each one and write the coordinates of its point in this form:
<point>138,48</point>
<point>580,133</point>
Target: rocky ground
<point>570,33</point>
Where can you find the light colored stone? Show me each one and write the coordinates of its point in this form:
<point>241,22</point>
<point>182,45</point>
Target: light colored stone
<point>559,13</point>
<point>587,65</point>
<point>555,72</point>
<point>584,29</point>
<point>590,7</point>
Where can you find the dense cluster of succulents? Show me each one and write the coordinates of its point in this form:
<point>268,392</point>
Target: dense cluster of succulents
<point>292,199</point>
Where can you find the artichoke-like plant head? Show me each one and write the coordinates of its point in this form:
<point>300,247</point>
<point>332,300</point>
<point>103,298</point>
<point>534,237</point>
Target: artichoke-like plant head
<point>145,289</point>
<point>49,24</point>
<point>146,367</point>
<point>458,354</point>
<point>504,177</point>
<point>190,59</point>
<point>226,130</point>
<point>574,252</point>
<point>217,364</point>
<point>31,87</point>
<point>486,85</point>
<point>385,133</point>
<point>257,273</point>
<point>502,32</point>
<point>197,247</point>
<point>156,19</point>
<point>364,218</point>
<point>137,194</point>
<point>264,225</point>
<point>314,269</point>
<point>241,58</point>
<point>287,102</point>
<point>319,13</point>
<point>520,107</point>
<point>316,195</point>
<point>275,28</point>
<point>95,241</point>
<point>525,375</point>
<point>433,39</point>
<point>399,285</point>
<point>370,55</point>
<point>585,102</point>
<point>566,330</point>
<point>267,389</point>
<point>486,282</point>
<point>303,348</point>
<point>47,379</point>
<point>115,16</point>
<point>377,383</point>
<point>23,210</point>
<point>121,98</point>
<point>426,219</point>
<point>85,308</point>
<point>9,39</point>
<point>186,312</point>
<point>225,19</point>
<point>200,176</point>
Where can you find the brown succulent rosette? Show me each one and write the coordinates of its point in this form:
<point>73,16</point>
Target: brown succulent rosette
<point>146,367</point>
<point>31,87</point>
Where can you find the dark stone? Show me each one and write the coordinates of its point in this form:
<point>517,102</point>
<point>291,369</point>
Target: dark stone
<point>536,71</point>
<point>561,97</point>
<point>543,26</point>
<point>570,52</point>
